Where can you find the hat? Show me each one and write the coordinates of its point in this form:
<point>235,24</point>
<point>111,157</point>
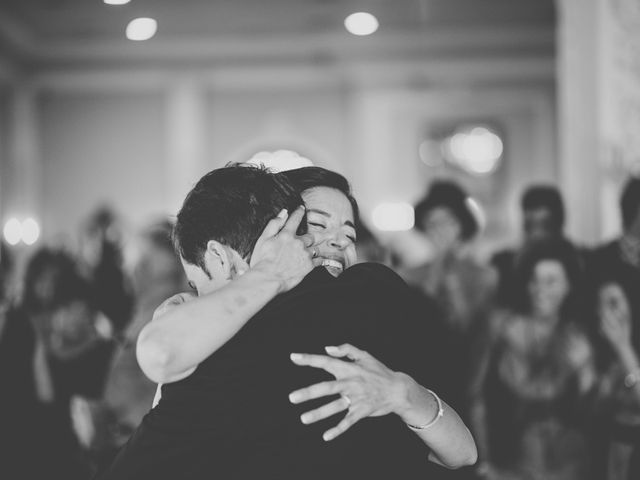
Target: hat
<point>449,195</point>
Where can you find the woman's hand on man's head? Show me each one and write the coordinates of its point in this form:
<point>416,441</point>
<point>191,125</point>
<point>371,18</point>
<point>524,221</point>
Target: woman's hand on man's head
<point>282,254</point>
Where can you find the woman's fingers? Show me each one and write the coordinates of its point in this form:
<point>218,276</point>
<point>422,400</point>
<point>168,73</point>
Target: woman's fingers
<point>335,367</point>
<point>293,222</point>
<point>347,422</point>
<point>325,411</point>
<point>346,350</point>
<point>318,390</point>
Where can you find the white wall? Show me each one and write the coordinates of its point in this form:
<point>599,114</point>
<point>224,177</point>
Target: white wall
<point>100,148</point>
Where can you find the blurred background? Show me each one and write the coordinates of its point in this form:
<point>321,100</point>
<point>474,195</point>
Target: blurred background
<point>91,118</point>
<point>111,110</point>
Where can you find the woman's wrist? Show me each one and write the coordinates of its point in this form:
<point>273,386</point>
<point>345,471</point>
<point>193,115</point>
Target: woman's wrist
<point>416,405</point>
<point>261,275</point>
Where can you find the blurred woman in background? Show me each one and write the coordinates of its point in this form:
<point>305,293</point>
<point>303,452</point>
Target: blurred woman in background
<point>456,289</point>
<point>618,381</point>
<point>53,346</point>
<point>535,369</point>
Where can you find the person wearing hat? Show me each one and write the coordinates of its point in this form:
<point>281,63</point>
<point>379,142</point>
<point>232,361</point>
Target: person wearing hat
<point>461,287</point>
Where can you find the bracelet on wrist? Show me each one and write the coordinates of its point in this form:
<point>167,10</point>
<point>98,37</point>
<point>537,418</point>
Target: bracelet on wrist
<point>439,414</point>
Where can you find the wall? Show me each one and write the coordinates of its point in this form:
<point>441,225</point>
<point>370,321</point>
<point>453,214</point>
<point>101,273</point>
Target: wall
<point>138,138</point>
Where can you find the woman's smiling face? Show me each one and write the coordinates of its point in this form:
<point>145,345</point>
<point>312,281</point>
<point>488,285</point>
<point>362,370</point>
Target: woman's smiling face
<point>332,226</point>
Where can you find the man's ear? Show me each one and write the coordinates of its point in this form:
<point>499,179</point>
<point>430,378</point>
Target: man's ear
<point>217,257</point>
<point>228,260</point>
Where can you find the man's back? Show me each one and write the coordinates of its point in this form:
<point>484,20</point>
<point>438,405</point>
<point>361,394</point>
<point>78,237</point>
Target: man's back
<point>232,419</point>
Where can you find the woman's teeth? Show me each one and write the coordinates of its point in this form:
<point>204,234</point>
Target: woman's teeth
<point>331,263</point>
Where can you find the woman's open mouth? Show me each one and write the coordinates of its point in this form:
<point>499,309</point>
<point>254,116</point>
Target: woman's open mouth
<point>334,267</point>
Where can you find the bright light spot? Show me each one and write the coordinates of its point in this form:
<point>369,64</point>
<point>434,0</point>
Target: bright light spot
<point>478,211</point>
<point>457,146</point>
<point>13,231</point>
<point>361,23</point>
<point>30,231</point>
<point>393,217</point>
<point>116,2</point>
<point>477,150</point>
<point>142,28</point>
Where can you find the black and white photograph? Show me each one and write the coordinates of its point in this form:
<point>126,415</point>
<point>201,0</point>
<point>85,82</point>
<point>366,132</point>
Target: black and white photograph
<point>320,239</point>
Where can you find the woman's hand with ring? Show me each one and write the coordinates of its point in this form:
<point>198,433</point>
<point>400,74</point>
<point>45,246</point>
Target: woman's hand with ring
<point>367,388</point>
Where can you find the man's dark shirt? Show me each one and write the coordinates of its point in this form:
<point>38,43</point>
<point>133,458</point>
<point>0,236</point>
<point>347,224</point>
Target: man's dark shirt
<point>232,419</point>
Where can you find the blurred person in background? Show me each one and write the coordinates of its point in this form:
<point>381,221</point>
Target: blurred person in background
<point>534,372</point>
<point>53,346</point>
<point>617,355</point>
<point>543,217</point>
<point>102,264</point>
<point>104,426</point>
<point>456,290</point>
<point>620,258</point>
<point>461,285</point>
<point>6,271</point>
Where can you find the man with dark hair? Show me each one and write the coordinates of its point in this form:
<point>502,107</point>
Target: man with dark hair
<point>230,416</point>
<point>619,259</point>
<point>543,217</point>
<point>543,213</point>
<point>240,213</point>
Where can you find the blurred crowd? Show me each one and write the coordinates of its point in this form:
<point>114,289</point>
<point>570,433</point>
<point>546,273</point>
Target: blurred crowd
<point>72,388</point>
<point>537,347</point>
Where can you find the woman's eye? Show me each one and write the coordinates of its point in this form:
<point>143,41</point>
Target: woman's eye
<point>319,225</point>
<point>192,286</point>
<point>352,238</point>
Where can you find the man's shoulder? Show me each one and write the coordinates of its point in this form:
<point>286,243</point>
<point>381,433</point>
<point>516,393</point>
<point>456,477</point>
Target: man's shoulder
<point>374,275</point>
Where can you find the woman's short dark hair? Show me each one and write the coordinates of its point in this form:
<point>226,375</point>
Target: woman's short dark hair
<point>560,250</point>
<point>59,268</point>
<point>311,177</point>
<point>231,205</point>
<point>450,195</point>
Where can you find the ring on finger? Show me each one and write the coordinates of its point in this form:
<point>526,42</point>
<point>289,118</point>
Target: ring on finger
<point>348,400</point>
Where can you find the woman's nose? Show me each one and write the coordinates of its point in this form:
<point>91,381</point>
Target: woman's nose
<point>339,241</point>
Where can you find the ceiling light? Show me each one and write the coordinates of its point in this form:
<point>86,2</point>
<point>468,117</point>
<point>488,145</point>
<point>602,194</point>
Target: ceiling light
<point>477,150</point>
<point>142,28</point>
<point>361,23</point>
<point>116,2</point>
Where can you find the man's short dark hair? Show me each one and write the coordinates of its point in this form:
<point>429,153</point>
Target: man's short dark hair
<point>547,197</point>
<point>630,202</point>
<point>231,205</point>
<point>310,177</point>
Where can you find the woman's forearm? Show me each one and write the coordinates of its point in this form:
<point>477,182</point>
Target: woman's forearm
<point>174,343</point>
<point>449,439</point>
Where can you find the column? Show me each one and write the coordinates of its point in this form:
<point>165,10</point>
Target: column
<point>186,139</point>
